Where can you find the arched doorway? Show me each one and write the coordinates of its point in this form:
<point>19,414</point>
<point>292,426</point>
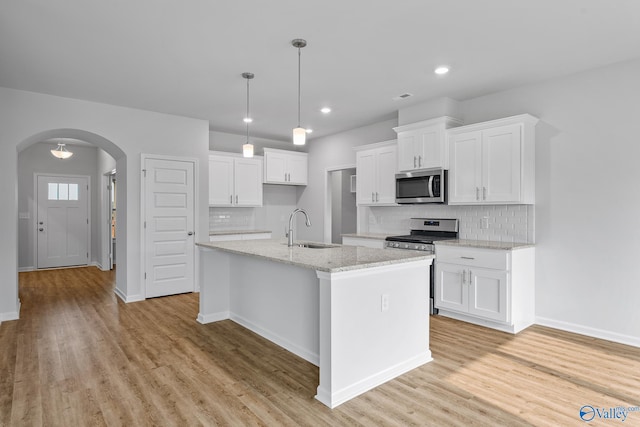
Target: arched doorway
<point>99,214</point>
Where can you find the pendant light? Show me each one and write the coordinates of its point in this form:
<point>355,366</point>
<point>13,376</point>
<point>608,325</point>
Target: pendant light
<point>299,133</point>
<point>61,152</point>
<point>247,148</point>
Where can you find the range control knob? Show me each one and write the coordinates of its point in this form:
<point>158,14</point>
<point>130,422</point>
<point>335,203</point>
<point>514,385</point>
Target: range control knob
<point>396,245</point>
<point>406,246</point>
<point>423,248</point>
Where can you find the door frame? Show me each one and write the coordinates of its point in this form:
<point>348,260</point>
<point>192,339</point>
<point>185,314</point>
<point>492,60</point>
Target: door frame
<point>36,175</point>
<point>143,214</point>
<point>327,197</point>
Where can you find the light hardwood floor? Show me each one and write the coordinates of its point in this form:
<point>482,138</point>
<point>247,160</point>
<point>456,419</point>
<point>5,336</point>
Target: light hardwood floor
<point>78,356</point>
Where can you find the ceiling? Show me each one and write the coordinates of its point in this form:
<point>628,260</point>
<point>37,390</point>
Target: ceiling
<point>187,57</point>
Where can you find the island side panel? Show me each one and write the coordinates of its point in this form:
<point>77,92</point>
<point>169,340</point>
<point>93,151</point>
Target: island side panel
<point>277,301</point>
<point>214,271</point>
<point>363,341</point>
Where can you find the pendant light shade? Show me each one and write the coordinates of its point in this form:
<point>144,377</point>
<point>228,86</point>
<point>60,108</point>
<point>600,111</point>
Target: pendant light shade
<point>61,152</point>
<point>299,133</point>
<point>247,148</point>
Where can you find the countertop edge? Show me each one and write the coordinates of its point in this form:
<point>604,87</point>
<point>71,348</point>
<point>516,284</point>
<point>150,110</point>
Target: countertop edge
<point>229,232</point>
<point>484,244</point>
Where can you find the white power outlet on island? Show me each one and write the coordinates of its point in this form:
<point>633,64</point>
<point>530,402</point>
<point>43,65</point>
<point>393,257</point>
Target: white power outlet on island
<point>384,302</point>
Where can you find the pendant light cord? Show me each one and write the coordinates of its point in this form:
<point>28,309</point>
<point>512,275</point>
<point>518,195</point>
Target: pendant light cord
<point>247,111</point>
<point>299,87</point>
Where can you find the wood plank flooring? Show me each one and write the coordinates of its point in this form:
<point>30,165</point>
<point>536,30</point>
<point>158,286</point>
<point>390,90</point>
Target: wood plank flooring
<point>79,356</point>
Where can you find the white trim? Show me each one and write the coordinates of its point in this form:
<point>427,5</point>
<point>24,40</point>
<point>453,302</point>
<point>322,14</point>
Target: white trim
<point>213,317</point>
<point>327,198</point>
<point>588,331</point>
<point>375,145</point>
<point>196,208</point>
<point>444,120</point>
<point>334,399</point>
<point>11,315</point>
<point>277,339</point>
<point>36,175</point>
<point>26,269</point>
<point>128,299</point>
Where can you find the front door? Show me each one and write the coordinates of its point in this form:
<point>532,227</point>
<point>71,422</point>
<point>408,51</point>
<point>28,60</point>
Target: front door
<point>62,221</point>
<point>169,227</point>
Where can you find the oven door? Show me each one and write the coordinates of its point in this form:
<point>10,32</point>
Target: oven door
<point>428,186</point>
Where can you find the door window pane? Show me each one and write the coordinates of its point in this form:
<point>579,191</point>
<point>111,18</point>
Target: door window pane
<point>73,191</point>
<point>63,191</point>
<point>53,191</point>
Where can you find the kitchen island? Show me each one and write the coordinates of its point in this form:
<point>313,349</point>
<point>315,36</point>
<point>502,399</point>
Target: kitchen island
<point>360,314</point>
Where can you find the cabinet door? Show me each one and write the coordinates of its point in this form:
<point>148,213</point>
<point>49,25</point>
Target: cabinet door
<point>451,289</point>
<point>275,168</point>
<point>407,151</point>
<point>386,176</point>
<point>501,149</point>
<point>297,169</point>
<point>431,148</point>
<point>465,173</point>
<point>248,182</point>
<point>220,181</point>
<point>488,294</point>
<point>366,176</point>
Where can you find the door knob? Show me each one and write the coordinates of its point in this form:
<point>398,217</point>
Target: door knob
<point>41,223</point>
<point>40,229</point>
<point>190,233</point>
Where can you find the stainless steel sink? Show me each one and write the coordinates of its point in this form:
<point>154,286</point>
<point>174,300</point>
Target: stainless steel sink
<point>315,245</point>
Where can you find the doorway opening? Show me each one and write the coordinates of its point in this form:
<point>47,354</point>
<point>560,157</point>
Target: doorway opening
<point>111,216</point>
<point>340,203</point>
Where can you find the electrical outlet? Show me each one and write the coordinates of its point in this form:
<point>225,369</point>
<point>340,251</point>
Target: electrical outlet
<point>384,302</point>
<point>485,222</point>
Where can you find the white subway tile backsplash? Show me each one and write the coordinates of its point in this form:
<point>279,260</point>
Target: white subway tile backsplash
<point>507,223</point>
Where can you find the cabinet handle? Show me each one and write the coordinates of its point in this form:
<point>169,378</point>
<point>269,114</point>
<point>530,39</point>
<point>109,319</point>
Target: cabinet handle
<point>467,257</point>
<point>373,197</point>
<point>419,161</point>
<point>484,193</point>
<point>414,161</point>
<point>231,199</point>
<point>469,282</point>
<point>464,277</point>
<point>477,193</point>
<point>377,197</point>
<point>236,199</point>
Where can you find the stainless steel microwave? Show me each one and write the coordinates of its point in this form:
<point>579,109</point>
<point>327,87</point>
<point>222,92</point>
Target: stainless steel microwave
<point>424,186</point>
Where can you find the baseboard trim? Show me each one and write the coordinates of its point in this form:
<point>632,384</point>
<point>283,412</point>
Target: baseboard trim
<point>588,331</point>
<point>338,397</point>
<point>11,315</point>
<point>213,317</point>
<point>128,299</point>
<point>306,354</point>
<point>26,269</point>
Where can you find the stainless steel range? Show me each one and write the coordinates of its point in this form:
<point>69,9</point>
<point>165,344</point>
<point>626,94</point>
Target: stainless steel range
<point>425,231</point>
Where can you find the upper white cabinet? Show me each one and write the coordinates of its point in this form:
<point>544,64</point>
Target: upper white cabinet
<point>376,174</point>
<point>423,145</point>
<point>285,167</point>
<point>493,162</point>
<point>234,180</point>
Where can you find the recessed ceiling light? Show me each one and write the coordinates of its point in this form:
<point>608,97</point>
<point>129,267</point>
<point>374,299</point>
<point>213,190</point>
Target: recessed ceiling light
<point>247,120</point>
<point>325,110</point>
<point>442,70</point>
<point>308,130</point>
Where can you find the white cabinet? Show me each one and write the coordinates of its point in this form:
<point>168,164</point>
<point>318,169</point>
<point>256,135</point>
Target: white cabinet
<point>493,162</point>
<point>363,241</point>
<point>239,236</point>
<point>423,145</point>
<point>285,167</point>
<point>376,174</point>
<point>489,287</point>
<point>235,181</point>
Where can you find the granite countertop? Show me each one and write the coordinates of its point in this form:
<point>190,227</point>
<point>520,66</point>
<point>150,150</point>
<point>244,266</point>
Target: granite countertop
<point>484,244</point>
<point>375,236</point>
<point>334,259</point>
<point>228,232</point>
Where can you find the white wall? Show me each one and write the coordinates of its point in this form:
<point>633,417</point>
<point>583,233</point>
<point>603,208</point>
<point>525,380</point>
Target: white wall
<point>587,196</point>
<point>27,117</point>
<point>38,159</point>
<point>330,152</point>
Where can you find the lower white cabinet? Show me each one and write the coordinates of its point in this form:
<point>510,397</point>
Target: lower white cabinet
<point>363,241</point>
<point>489,287</point>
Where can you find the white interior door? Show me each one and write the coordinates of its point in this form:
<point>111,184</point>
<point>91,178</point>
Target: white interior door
<point>63,221</point>
<point>169,233</point>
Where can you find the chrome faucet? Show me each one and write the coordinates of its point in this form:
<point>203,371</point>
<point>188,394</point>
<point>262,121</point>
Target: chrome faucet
<point>290,232</point>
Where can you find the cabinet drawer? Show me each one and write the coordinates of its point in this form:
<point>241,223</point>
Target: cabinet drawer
<point>474,257</point>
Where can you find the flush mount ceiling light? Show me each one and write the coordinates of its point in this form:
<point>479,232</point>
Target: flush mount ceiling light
<point>441,70</point>
<point>299,133</point>
<point>61,152</point>
<point>247,148</point>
